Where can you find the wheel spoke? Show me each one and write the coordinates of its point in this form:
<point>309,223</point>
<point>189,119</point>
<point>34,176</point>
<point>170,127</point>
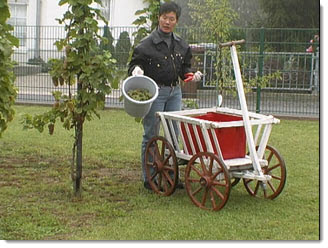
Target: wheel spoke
<point>217,192</point>
<point>196,170</point>
<point>276,177</point>
<point>213,200</point>
<point>168,178</point>
<point>264,190</point>
<point>159,181</point>
<point>167,159</point>
<point>272,187</point>
<point>256,187</point>
<point>273,167</point>
<point>193,180</point>
<point>169,168</point>
<point>270,157</point>
<point>204,197</point>
<point>202,163</point>
<point>197,190</point>
<point>247,181</point>
<point>211,165</point>
<point>165,185</point>
<point>217,183</point>
<point>216,174</point>
<point>153,176</point>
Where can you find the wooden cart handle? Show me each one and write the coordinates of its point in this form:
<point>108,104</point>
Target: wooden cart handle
<point>232,43</point>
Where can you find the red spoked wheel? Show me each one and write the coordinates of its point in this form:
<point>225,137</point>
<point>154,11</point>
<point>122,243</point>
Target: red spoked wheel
<point>161,166</point>
<point>207,181</point>
<point>276,168</point>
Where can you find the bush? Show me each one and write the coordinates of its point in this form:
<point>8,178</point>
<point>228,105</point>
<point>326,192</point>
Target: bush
<point>122,49</point>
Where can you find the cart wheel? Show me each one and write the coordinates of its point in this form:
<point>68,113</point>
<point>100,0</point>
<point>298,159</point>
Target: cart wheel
<point>207,181</point>
<point>276,168</point>
<point>161,166</point>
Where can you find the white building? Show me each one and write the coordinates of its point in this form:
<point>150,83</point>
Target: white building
<point>45,12</point>
<point>37,28</point>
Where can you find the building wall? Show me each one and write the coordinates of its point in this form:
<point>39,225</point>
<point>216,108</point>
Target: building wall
<point>123,13</point>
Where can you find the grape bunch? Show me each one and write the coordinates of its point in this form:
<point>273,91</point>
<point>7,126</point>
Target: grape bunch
<point>139,94</point>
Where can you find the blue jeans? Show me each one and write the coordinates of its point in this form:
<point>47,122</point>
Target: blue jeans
<point>169,99</point>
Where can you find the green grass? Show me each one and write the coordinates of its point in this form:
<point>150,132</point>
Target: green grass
<point>37,201</point>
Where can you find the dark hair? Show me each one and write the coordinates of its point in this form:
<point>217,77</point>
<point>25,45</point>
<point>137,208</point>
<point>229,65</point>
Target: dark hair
<point>170,7</point>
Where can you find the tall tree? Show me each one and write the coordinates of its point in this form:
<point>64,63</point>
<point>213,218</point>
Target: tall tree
<point>107,43</point>
<point>250,13</point>
<point>291,13</point>
<point>7,90</point>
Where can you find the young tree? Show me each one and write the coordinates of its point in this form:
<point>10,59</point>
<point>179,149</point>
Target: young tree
<point>85,67</point>
<point>122,49</point>
<point>215,19</point>
<point>7,77</point>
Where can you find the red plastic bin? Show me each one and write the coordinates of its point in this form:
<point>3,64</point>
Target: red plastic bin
<point>232,140</point>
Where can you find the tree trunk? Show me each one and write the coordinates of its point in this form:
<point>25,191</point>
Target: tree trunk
<point>78,139</point>
<point>78,175</point>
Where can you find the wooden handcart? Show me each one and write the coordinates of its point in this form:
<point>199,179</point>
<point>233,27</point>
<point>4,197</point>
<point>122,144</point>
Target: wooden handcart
<point>220,150</point>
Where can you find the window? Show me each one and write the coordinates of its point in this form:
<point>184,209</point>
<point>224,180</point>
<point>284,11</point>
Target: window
<point>18,16</point>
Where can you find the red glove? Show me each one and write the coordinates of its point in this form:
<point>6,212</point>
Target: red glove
<point>188,77</point>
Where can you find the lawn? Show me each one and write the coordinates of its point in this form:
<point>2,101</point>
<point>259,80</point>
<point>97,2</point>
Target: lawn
<point>37,202</point>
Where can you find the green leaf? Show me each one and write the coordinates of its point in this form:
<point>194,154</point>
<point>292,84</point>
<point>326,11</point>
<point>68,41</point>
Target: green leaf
<point>4,13</point>
<point>57,95</point>
<point>13,40</point>
<point>62,2</point>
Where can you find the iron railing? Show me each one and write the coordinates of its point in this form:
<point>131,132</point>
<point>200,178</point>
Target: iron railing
<point>295,92</point>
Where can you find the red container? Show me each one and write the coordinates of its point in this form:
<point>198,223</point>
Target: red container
<point>232,140</point>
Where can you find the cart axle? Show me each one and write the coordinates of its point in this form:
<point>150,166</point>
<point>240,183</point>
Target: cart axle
<point>251,175</point>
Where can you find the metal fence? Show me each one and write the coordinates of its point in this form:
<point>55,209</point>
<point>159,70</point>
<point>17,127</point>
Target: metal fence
<point>294,93</point>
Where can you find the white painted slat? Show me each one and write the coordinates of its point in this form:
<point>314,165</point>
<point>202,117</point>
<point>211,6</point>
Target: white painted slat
<point>191,143</point>
<point>182,138</point>
<point>257,135</point>
<point>199,143</point>
<point>264,140</point>
<point>207,138</point>
<point>173,134</point>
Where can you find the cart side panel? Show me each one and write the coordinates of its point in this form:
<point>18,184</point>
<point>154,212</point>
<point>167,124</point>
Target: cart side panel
<point>232,140</point>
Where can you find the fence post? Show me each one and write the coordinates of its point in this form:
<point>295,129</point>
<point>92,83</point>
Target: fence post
<point>258,89</point>
<point>316,71</point>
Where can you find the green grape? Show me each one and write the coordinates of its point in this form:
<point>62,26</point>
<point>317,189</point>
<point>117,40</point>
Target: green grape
<point>139,94</point>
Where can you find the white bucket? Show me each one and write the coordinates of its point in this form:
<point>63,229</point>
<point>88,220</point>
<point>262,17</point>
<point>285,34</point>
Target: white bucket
<point>133,107</point>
